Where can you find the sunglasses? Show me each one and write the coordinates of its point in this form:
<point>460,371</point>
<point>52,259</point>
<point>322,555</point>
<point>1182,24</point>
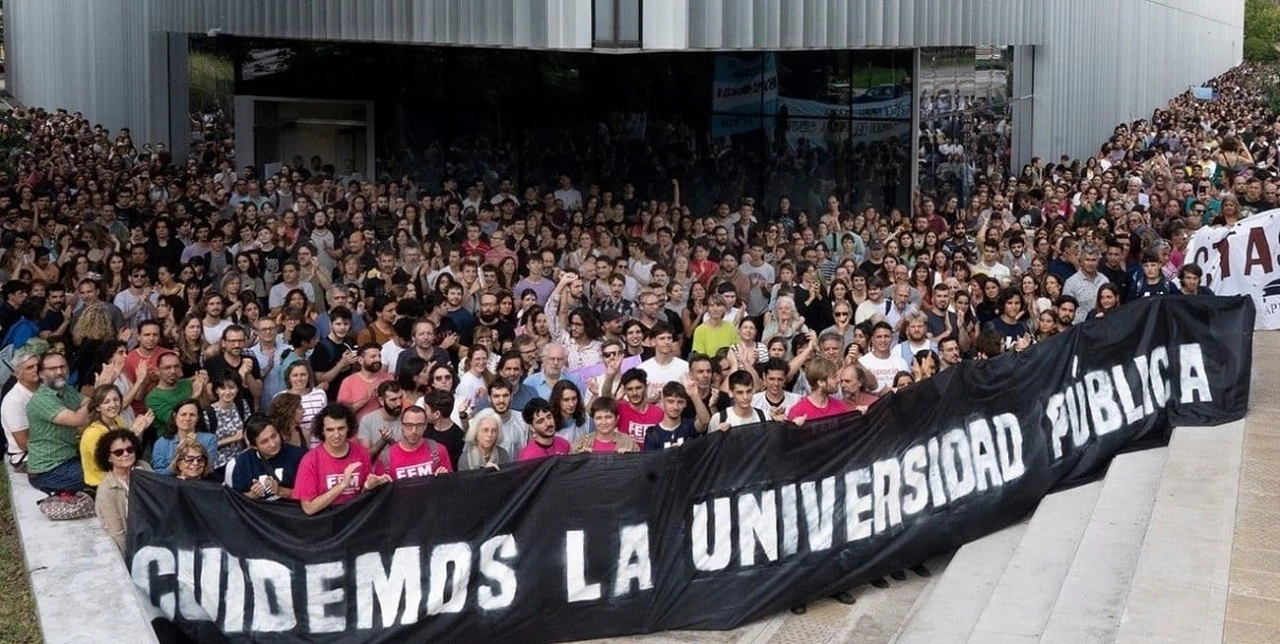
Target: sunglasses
<point>193,459</point>
<point>121,451</point>
<point>611,354</point>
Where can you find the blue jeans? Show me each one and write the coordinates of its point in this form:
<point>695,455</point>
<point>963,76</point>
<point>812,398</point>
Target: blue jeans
<point>68,477</point>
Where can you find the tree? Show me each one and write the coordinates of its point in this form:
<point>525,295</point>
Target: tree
<point>1261,30</point>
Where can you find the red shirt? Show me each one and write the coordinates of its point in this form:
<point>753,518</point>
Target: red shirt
<point>633,422</point>
<point>354,388</point>
<point>421,461</point>
<point>131,362</point>
<point>703,270</point>
<point>810,411</point>
<point>474,249</point>
<point>319,471</point>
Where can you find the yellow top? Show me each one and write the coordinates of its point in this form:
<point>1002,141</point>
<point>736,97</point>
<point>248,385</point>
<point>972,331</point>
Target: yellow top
<point>88,444</point>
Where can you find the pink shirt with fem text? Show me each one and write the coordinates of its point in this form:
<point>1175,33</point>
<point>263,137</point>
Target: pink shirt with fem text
<point>319,471</point>
<point>424,460</point>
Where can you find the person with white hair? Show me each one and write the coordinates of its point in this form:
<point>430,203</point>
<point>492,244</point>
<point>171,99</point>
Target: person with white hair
<point>483,443</point>
<point>13,409</point>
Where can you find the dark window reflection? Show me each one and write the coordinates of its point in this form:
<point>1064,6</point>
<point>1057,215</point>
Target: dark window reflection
<point>965,119</point>
<point>763,125</point>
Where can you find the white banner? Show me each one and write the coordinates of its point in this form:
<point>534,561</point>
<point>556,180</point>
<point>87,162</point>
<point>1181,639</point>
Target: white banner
<point>1243,259</point>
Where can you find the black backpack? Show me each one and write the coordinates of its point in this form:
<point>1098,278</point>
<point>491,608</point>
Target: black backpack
<point>211,415</point>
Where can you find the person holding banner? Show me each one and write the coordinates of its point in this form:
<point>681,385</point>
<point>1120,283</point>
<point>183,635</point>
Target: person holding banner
<point>606,437</point>
<point>484,449</point>
<point>269,469</point>
<point>339,468</point>
<point>413,455</point>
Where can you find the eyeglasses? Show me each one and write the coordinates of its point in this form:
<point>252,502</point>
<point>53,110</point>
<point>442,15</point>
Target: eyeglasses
<point>842,314</point>
<point>192,459</point>
<point>121,451</point>
<point>442,378</point>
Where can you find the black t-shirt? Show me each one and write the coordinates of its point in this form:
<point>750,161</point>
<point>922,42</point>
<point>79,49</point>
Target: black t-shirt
<point>936,324</point>
<point>723,402</point>
<point>1010,332</point>
<point>325,357</point>
<point>218,364</point>
<point>453,440</point>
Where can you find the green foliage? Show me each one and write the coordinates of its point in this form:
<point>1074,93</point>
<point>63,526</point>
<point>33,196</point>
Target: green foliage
<point>1261,30</point>
<point>212,80</point>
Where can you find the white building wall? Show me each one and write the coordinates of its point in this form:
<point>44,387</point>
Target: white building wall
<point>1097,62</point>
<point>1100,63</point>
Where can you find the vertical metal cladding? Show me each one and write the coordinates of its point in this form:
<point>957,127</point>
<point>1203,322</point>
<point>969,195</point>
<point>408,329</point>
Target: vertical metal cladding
<point>1097,62</point>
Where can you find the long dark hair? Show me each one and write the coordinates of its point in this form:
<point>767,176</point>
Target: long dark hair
<point>579,414</point>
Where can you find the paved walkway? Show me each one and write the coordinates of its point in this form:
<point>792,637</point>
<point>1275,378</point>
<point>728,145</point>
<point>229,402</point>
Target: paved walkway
<point>1253,602</point>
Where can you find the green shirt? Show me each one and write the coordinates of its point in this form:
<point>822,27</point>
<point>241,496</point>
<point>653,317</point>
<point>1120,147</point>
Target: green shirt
<point>163,401</point>
<point>50,444</point>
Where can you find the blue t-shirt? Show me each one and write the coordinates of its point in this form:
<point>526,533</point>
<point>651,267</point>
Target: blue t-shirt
<point>658,438</point>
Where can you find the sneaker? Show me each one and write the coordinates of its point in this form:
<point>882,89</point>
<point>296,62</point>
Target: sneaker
<point>799,610</point>
<point>920,570</point>
<point>880,583</point>
<point>845,597</point>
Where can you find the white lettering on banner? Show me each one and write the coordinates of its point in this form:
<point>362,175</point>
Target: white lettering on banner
<point>1243,259</point>
<point>272,584</point>
<point>1104,401</point>
<point>384,596</point>
<point>322,593</point>
<point>740,529</point>
<point>390,588</point>
<point>980,456</point>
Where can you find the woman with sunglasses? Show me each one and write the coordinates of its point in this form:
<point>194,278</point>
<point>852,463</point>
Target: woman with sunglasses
<point>191,462</point>
<point>116,454</point>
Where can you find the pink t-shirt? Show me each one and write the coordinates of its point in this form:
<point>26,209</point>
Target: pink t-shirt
<point>534,451</point>
<point>806,408</point>
<point>319,471</point>
<point>634,423</point>
<point>405,464</point>
<point>604,447</point>
<point>354,388</point>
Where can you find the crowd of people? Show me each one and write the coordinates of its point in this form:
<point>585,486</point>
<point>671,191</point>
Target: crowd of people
<point>311,335</point>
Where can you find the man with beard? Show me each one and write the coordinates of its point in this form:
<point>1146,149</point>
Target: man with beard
<point>171,388</point>
<point>487,316</point>
<point>382,427</point>
<point>359,390</point>
<point>424,343</point>
<point>234,359</point>
<point>543,441</point>
<point>514,433</point>
<point>55,416</point>
<point>13,409</point>
<point>413,455</point>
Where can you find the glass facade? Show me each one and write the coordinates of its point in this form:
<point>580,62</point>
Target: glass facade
<point>726,125</point>
<point>966,119</point>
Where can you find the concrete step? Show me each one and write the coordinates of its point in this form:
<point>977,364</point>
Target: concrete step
<point>1026,592</point>
<point>1179,590</point>
<point>1090,598</point>
<point>956,601</point>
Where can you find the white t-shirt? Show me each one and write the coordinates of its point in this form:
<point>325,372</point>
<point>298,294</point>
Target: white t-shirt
<point>761,401</point>
<point>213,334</point>
<point>884,369</point>
<point>660,375</point>
<point>13,414</point>
<point>470,388</point>
<point>731,417</point>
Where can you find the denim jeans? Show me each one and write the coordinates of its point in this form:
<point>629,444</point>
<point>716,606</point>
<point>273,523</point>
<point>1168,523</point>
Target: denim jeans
<point>68,477</point>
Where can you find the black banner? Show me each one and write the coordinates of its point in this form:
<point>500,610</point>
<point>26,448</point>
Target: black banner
<point>714,534</point>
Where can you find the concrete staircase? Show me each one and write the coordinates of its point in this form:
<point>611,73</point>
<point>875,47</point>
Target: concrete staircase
<point>1141,556</point>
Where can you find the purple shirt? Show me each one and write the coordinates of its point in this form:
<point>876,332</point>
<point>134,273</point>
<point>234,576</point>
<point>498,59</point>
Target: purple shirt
<point>543,288</point>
